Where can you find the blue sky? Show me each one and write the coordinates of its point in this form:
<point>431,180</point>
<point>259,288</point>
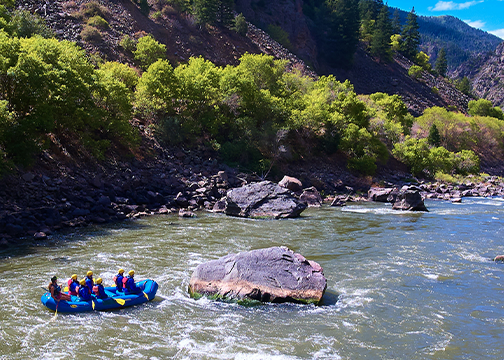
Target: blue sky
<point>487,15</point>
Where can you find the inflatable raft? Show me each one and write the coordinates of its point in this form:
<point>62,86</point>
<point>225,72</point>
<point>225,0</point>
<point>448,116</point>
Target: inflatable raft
<point>115,300</point>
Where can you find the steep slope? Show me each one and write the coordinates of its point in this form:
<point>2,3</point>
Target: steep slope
<point>368,76</point>
<point>184,38</point>
<point>461,41</point>
<point>487,76</point>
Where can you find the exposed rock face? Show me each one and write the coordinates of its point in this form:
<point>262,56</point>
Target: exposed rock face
<point>275,274</point>
<point>488,78</point>
<point>289,16</point>
<point>409,198</point>
<point>263,199</point>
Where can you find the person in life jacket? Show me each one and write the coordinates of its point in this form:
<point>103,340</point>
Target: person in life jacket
<point>129,284</point>
<point>89,280</point>
<point>55,290</point>
<point>84,291</point>
<point>73,285</point>
<point>99,290</point>
<point>118,280</point>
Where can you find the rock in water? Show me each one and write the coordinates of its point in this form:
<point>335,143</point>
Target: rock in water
<point>409,198</point>
<point>263,199</point>
<point>275,274</point>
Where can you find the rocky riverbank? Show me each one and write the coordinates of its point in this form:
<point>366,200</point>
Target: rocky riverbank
<point>58,193</point>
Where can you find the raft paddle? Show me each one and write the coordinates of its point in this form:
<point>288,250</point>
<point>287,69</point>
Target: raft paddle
<point>147,296</point>
<point>92,304</point>
<point>120,301</point>
<point>56,312</point>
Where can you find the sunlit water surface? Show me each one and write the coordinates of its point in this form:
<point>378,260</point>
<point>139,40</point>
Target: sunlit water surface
<point>400,286</point>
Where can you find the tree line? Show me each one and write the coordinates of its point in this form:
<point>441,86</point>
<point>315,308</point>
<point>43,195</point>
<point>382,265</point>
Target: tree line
<point>254,114</point>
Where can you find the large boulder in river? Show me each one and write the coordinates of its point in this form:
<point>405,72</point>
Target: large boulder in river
<point>264,199</point>
<point>409,198</point>
<point>379,194</point>
<point>275,274</point>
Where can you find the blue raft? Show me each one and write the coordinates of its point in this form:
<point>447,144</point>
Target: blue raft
<point>116,300</point>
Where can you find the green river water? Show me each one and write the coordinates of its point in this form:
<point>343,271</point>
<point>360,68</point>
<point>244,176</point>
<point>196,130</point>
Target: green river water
<point>400,286</point>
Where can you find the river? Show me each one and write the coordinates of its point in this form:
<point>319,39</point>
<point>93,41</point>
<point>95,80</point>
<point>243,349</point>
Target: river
<point>400,286</point>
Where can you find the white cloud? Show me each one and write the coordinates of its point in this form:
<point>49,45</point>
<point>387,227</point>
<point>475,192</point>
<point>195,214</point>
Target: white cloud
<point>498,32</point>
<point>478,24</point>
<point>450,5</point>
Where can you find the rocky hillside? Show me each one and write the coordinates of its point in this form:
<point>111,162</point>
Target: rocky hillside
<point>184,38</point>
<point>487,75</point>
<point>461,41</point>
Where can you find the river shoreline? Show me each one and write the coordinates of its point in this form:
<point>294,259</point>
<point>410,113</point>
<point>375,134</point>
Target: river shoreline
<point>57,195</point>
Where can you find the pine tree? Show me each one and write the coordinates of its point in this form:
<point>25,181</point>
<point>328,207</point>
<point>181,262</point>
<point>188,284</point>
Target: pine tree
<point>380,42</point>
<point>340,23</point>
<point>240,25</point>
<point>434,137</point>
<point>226,16</point>
<point>410,36</point>
<point>206,11</point>
<point>396,22</point>
<point>441,65</point>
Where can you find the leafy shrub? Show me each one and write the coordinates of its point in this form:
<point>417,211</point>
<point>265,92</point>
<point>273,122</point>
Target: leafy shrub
<point>423,159</point>
<point>8,3</point>
<point>435,90</point>
<point>148,51</point>
<point>98,22</point>
<point>484,107</point>
<point>415,71</point>
<point>25,24</point>
<point>91,34</point>
<point>422,59</point>
<point>156,15</point>
<point>128,43</point>
<point>279,35</point>
<point>168,131</point>
<point>92,8</point>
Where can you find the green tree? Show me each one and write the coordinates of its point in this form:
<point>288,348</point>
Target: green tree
<point>8,3</point>
<point>434,137</point>
<point>340,24</point>
<point>206,11</point>
<point>380,42</point>
<point>225,13</point>
<point>49,87</point>
<point>441,65</point>
<point>25,24</point>
<point>240,25</point>
<point>157,91</point>
<point>464,86</point>
<point>396,22</point>
<point>410,36</point>
<point>483,107</point>
<point>148,51</point>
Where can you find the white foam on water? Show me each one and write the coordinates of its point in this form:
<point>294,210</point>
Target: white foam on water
<point>263,356</point>
<point>431,276</point>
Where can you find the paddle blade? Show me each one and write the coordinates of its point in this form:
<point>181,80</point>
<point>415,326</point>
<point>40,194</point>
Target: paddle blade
<point>92,304</point>
<point>120,301</point>
<point>65,289</point>
<point>147,296</point>
<point>56,312</point>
